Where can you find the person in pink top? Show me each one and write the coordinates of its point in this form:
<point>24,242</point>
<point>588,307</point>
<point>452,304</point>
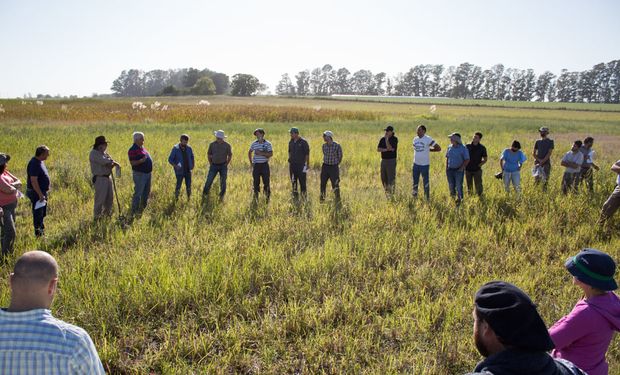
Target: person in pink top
<point>584,335</point>
<point>9,188</point>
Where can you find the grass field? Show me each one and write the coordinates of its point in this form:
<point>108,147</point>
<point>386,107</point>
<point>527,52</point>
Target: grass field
<point>372,287</point>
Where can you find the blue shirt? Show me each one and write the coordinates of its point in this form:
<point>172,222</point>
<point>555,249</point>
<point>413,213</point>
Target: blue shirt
<point>136,153</point>
<point>176,158</point>
<point>34,342</point>
<point>36,168</point>
<point>512,160</point>
<point>456,156</point>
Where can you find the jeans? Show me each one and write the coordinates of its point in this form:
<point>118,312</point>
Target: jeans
<point>187,176</point>
<point>214,169</point>
<point>515,178</point>
<point>455,182</point>
<point>424,171</point>
<point>332,173</point>
<point>569,182</point>
<point>388,175</point>
<point>142,189</point>
<point>297,174</point>
<point>37,215</point>
<point>261,170</point>
<point>8,228</point>
<point>474,178</point>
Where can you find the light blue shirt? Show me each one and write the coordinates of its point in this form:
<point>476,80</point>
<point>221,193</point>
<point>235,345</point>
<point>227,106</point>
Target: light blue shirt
<point>512,160</point>
<point>457,156</point>
<point>34,342</point>
<point>264,146</point>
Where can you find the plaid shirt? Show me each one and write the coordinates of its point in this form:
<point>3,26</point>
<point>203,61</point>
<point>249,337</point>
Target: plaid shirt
<point>332,154</point>
<point>34,342</point>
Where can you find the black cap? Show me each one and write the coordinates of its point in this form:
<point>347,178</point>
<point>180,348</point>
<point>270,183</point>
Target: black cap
<point>389,128</point>
<point>100,140</point>
<point>513,316</point>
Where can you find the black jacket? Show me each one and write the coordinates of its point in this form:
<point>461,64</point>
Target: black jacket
<point>517,362</point>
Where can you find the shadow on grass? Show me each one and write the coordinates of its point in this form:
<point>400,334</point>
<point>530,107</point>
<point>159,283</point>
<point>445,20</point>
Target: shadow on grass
<point>86,232</point>
<point>301,206</point>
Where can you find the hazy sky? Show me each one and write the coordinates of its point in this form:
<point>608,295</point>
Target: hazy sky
<point>79,47</point>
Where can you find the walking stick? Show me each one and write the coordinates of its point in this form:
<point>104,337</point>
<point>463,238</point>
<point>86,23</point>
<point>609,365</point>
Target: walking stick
<point>121,218</point>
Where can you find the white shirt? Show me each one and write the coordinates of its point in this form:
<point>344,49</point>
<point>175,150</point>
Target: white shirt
<point>422,147</point>
<point>618,178</point>
<point>574,157</point>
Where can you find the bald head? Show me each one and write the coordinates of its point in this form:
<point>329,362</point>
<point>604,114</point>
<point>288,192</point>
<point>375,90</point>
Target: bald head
<point>35,267</point>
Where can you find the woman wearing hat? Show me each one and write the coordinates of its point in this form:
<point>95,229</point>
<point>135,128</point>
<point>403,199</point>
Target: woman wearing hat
<point>9,193</point>
<point>584,335</point>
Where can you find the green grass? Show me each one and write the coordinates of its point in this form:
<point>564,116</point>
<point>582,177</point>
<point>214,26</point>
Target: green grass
<point>373,287</point>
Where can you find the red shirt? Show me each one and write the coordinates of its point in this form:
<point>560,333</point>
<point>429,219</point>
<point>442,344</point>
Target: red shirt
<point>6,180</point>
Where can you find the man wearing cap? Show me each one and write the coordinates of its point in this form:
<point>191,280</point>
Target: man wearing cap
<point>584,335</point>
<point>572,161</point>
<point>32,340</point>
<point>543,148</point>
<point>388,146</point>
<point>182,160</point>
<point>142,166</point>
<point>219,155</point>
<point>37,188</point>
<point>101,165</point>
<point>457,158</point>
<point>332,156</point>
<point>258,155</point>
<point>613,202</point>
<point>478,157</point>
<point>423,145</point>
<point>511,335</point>
<point>299,161</point>
<point>9,195</point>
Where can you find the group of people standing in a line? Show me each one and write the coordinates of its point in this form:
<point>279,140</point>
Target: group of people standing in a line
<point>508,330</point>
<point>463,163</point>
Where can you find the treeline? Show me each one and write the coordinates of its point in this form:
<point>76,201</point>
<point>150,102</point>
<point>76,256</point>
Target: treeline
<point>601,84</point>
<point>170,82</point>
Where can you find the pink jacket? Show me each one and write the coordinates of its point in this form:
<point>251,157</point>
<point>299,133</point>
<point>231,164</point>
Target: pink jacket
<point>583,336</point>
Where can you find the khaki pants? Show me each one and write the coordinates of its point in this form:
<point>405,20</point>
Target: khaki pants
<point>611,205</point>
<point>104,197</point>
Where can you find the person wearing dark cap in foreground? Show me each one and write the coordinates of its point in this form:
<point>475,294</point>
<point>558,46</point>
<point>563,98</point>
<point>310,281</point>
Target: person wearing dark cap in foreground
<point>388,146</point>
<point>101,165</point>
<point>584,335</point>
<point>511,335</point>
<point>32,341</point>
<point>263,151</point>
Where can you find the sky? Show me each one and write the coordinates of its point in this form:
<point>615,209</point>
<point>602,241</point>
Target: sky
<point>71,47</point>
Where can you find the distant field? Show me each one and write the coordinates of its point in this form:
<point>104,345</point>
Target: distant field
<point>372,287</point>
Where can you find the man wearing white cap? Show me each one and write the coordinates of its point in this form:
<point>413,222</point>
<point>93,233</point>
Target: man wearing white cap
<point>219,155</point>
<point>332,156</point>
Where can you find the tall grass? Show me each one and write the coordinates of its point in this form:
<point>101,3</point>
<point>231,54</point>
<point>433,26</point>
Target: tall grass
<point>374,286</point>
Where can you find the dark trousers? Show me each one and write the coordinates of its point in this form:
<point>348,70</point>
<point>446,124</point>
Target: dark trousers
<point>8,228</point>
<point>261,170</point>
<point>474,178</point>
<point>587,175</point>
<point>611,205</point>
<point>569,182</point>
<point>388,175</point>
<point>37,215</point>
<point>547,169</point>
<point>187,176</point>
<point>297,174</point>
<point>424,171</point>
<point>331,172</point>
<point>214,169</point>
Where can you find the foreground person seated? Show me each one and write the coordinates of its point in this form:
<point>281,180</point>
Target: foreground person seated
<point>511,335</point>
<point>32,341</point>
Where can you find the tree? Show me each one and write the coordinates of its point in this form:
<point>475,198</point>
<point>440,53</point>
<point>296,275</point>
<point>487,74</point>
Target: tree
<point>543,86</point>
<point>204,86</point>
<point>222,83</point>
<point>285,86</point>
<point>244,85</point>
<point>191,77</point>
<point>362,82</point>
<point>169,90</point>
<point>303,82</point>
<point>341,82</point>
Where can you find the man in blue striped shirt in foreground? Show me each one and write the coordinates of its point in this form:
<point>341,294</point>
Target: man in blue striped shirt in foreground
<point>32,341</point>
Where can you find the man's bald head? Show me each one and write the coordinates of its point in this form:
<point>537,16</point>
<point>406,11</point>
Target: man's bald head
<point>34,268</point>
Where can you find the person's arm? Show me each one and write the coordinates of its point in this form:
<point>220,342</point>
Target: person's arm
<point>435,147</point>
<point>464,165</point>
<point>7,188</point>
<point>210,154</point>
<point>191,155</point>
<point>571,327</point>
<point>339,154</point>
<point>229,156</point>
<point>307,146</point>
<point>379,148</point>
<point>484,157</point>
<point>569,164</point>
<point>501,161</point>
<point>547,157</point>
<point>250,156</point>
<point>17,184</point>
<point>35,186</point>
<point>172,159</point>
<point>616,167</point>
<point>535,153</point>
<point>388,145</point>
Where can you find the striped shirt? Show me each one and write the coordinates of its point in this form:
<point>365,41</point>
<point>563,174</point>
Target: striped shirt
<point>265,146</point>
<point>332,154</point>
<point>34,342</point>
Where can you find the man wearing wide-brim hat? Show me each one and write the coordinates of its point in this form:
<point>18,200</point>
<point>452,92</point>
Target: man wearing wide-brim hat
<point>219,155</point>
<point>101,164</point>
<point>511,335</point>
